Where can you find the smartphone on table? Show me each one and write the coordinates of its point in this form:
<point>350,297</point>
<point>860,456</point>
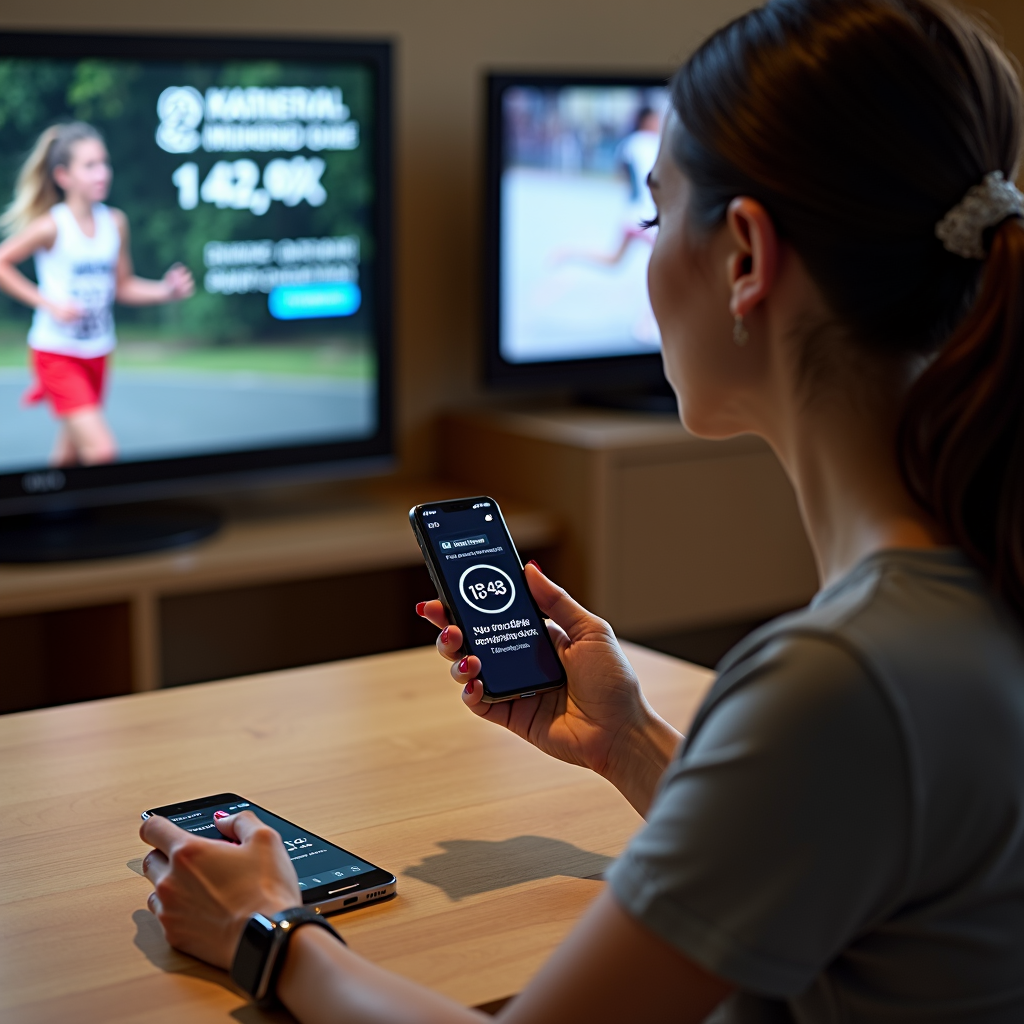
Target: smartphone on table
<point>479,579</point>
<point>331,879</point>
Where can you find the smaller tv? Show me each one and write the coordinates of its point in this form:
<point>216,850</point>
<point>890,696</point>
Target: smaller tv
<point>567,248</point>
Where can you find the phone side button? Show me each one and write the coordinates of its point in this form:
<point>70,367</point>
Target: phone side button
<point>532,694</point>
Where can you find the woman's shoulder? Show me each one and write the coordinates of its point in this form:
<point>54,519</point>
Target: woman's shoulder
<point>40,233</point>
<point>913,636</point>
<point>896,611</point>
<point>794,686</point>
<point>117,217</point>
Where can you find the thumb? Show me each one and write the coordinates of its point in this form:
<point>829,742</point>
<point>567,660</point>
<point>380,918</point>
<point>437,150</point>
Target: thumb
<point>238,827</point>
<point>558,606</point>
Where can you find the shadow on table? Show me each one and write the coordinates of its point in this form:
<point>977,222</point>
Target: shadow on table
<point>471,866</point>
<point>149,938</point>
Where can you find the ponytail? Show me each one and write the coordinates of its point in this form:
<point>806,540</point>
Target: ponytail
<point>961,441</point>
<point>36,191</point>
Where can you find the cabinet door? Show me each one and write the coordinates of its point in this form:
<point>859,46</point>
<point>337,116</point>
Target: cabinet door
<point>60,657</point>
<point>700,541</point>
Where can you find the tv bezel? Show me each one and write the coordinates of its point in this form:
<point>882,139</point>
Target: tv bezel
<point>596,373</point>
<point>42,487</point>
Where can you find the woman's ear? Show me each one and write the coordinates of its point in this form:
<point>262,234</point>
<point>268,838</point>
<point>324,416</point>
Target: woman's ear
<point>60,177</point>
<point>755,257</point>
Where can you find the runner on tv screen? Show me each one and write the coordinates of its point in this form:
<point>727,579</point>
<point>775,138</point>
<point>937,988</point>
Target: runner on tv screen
<point>575,207</point>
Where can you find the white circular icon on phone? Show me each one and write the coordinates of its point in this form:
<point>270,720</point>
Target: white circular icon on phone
<point>487,588</point>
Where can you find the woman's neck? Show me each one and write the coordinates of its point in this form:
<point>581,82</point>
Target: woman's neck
<point>841,458</point>
<point>81,210</point>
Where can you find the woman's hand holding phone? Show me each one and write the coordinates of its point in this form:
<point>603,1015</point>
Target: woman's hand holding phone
<point>599,720</point>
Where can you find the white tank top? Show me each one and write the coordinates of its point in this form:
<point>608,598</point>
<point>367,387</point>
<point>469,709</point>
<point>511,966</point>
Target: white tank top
<point>82,270</point>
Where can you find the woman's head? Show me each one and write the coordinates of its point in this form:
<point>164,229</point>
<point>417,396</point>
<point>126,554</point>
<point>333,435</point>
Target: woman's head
<point>647,120</point>
<point>852,127</point>
<point>858,124</point>
<point>67,160</point>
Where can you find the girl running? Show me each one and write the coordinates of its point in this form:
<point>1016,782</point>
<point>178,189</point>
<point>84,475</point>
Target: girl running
<point>83,264</point>
<point>636,155</point>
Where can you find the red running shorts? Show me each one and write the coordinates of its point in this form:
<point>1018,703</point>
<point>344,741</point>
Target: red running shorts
<point>68,382</point>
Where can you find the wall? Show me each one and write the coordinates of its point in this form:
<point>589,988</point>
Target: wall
<point>1007,18</point>
<point>444,46</point>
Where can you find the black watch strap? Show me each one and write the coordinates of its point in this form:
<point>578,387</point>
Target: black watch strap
<point>263,946</point>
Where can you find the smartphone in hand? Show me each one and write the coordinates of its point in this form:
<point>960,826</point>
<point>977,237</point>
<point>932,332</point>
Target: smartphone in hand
<point>479,579</point>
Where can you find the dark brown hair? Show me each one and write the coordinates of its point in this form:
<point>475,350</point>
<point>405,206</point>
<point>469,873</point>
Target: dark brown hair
<point>859,124</point>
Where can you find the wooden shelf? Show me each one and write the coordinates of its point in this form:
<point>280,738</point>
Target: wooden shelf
<point>367,530</point>
<point>347,531</point>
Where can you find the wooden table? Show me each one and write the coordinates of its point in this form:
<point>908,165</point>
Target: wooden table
<point>497,847</point>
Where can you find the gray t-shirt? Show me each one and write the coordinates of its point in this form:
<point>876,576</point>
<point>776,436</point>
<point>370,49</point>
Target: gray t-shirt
<point>841,835</point>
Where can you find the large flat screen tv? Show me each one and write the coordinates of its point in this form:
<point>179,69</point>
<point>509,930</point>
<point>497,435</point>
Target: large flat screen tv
<point>264,168</point>
<point>566,247</point>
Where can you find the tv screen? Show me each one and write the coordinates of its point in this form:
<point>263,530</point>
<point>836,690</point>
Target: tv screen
<point>567,227</point>
<point>197,273</point>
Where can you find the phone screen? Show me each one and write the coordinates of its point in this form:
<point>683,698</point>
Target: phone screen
<point>503,626</point>
<point>316,861</point>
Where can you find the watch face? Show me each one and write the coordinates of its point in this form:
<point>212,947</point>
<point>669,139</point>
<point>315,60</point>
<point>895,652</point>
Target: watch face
<point>251,956</point>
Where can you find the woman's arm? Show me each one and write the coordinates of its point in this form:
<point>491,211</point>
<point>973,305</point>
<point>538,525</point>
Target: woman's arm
<point>176,284</point>
<point>610,969</point>
<point>324,982</point>
<point>40,234</point>
<point>639,757</point>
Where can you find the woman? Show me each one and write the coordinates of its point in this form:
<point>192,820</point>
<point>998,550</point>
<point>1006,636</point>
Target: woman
<point>841,835</point>
<point>83,263</point>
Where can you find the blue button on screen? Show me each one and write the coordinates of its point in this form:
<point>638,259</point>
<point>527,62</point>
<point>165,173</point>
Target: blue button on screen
<point>308,301</point>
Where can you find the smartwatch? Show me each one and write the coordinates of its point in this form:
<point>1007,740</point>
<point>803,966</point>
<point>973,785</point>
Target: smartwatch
<point>262,947</point>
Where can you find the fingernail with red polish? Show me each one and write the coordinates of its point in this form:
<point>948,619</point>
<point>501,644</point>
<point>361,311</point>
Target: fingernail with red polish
<point>220,814</point>
<point>464,664</point>
<point>420,606</point>
<point>535,564</point>
<point>469,688</point>
<point>444,635</point>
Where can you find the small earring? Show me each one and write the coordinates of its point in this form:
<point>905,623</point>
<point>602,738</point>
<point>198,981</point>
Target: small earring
<point>740,334</point>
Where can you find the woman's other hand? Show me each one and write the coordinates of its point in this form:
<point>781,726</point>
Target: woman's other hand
<point>64,312</point>
<point>205,890</point>
<point>179,283</point>
<point>600,719</point>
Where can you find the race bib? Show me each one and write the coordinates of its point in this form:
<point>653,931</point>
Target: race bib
<point>92,289</point>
